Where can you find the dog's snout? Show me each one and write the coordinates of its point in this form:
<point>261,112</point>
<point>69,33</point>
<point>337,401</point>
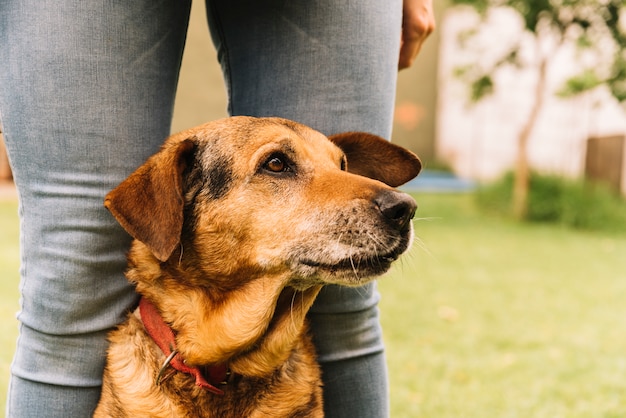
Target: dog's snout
<point>398,208</point>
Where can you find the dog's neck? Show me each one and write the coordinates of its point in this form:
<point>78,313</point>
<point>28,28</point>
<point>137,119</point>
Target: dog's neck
<point>165,339</point>
<point>252,327</point>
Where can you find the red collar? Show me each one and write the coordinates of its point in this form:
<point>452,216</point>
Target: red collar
<point>164,337</point>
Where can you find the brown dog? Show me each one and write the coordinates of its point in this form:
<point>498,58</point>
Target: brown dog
<point>237,225</point>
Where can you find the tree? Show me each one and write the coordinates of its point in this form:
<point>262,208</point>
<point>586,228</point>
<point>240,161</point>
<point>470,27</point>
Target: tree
<point>597,27</point>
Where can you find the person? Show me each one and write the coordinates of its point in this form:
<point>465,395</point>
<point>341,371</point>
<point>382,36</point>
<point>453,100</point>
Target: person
<point>86,95</point>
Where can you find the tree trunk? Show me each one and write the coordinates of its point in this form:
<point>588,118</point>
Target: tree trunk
<point>521,185</point>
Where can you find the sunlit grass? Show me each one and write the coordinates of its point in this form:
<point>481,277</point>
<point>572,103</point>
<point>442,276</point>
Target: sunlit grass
<point>500,319</point>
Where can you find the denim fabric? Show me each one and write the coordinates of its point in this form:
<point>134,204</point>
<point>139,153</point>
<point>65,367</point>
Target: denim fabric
<point>86,95</point>
<point>330,64</point>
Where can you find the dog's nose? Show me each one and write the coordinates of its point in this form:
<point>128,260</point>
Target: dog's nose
<point>398,208</point>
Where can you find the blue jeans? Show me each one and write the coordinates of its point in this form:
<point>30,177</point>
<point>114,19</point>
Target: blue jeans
<point>86,95</point>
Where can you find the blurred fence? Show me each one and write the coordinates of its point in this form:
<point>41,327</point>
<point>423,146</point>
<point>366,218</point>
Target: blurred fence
<point>604,161</point>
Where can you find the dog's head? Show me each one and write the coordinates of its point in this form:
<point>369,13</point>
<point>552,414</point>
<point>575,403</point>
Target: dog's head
<point>251,197</point>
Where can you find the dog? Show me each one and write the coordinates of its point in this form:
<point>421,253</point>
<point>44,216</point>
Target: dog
<point>237,224</point>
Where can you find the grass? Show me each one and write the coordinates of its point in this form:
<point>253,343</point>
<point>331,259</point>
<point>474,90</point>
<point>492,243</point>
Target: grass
<point>490,318</point>
<point>484,317</point>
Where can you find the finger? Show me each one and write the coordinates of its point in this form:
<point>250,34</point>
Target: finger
<point>408,51</point>
<point>418,22</point>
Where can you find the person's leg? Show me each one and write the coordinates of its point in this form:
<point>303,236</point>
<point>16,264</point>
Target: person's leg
<point>86,95</point>
<point>348,338</point>
<point>330,64</point>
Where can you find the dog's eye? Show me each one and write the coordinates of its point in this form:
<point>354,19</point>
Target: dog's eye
<point>277,164</point>
<point>344,164</point>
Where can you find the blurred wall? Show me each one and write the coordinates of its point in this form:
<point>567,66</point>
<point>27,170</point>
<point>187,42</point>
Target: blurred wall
<point>202,97</point>
<point>416,100</point>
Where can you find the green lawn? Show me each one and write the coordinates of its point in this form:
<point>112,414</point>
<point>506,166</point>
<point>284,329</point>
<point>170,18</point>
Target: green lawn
<point>487,318</point>
<point>484,318</point>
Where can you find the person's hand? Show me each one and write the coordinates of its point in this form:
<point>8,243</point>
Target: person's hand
<point>418,21</point>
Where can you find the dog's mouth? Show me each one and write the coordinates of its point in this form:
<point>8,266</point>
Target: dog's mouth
<point>356,264</point>
<point>356,269</point>
<point>353,257</point>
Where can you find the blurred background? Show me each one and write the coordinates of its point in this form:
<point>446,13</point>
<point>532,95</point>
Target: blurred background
<point>512,301</point>
<point>438,114</point>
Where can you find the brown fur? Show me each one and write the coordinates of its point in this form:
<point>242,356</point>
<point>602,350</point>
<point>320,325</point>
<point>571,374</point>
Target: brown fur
<point>237,225</point>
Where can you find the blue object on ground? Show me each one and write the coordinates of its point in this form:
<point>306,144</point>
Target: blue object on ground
<point>438,181</point>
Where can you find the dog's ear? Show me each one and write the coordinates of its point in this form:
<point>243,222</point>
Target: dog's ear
<point>372,156</point>
<point>149,203</point>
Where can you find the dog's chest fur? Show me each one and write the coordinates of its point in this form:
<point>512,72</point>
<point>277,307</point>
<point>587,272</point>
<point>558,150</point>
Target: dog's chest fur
<point>291,391</point>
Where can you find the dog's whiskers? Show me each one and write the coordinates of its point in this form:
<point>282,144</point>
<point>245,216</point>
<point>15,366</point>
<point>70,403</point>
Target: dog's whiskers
<point>430,218</point>
<point>354,268</point>
<point>338,243</point>
<point>180,258</point>
<point>422,246</point>
<point>293,300</point>
<point>376,239</point>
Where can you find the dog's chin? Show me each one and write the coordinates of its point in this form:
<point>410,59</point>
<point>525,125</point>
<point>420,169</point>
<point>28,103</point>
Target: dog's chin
<point>349,272</point>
